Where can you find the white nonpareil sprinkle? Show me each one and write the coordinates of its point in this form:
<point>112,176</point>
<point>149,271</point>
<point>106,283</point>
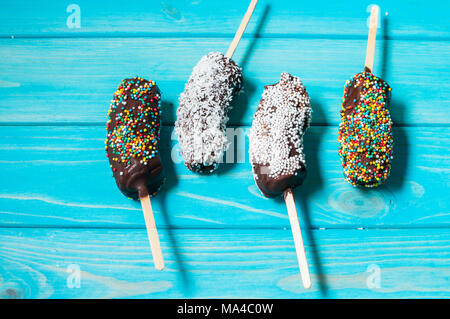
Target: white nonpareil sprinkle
<point>202,113</point>
<point>276,135</point>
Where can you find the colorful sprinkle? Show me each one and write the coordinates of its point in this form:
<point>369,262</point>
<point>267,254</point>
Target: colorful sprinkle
<point>133,122</point>
<point>365,132</point>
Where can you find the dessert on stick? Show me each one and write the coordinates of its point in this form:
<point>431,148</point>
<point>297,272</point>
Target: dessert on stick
<point>204,104</point>
<point>276,149</point>
<point>132,147</point>
<point>365,132</point>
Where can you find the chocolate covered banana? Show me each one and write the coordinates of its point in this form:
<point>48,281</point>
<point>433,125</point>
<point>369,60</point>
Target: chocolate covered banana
<point>276,136</point>
<point>365,132</point>
<point>202,112</point>
<point>132,140</point>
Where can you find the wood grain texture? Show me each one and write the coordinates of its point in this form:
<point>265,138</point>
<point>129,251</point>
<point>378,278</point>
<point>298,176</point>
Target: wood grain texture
<point>224,263</point>
<point>72,80</point>
<point>59,176</point>
<point>60,207</point>
<point>185,17</point>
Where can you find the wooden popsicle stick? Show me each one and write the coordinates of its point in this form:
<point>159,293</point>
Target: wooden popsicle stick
<point>298,239</point>
<point>152,232</point>
<point>240,31</point>
<point>370,52</point>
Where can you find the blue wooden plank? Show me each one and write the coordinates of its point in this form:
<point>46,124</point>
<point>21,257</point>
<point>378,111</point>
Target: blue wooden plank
<point>281,17</point>
<point>59,176</point>
<point>40,263</point>
<point>72,80</point>
<point>60,208</point>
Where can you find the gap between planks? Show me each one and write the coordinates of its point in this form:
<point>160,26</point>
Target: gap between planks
<point>186,35</point>
<point>231,227</point>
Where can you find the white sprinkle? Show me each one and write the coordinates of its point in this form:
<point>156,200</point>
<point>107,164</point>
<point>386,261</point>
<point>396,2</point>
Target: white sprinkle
<point>276,136</point>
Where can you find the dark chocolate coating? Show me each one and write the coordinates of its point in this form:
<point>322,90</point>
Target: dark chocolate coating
<point>140,174</point>
<point>140,180</point>
<point>272,187</point>
<point>200,168</point>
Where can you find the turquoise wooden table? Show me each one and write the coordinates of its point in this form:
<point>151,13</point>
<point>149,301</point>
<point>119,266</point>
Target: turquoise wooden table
<point>67,232</point>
